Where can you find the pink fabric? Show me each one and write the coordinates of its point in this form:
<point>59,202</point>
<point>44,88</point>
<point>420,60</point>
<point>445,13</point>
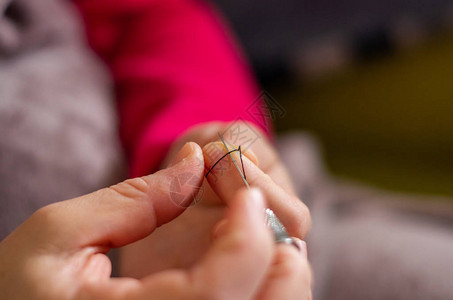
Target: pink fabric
<point>174,66</point>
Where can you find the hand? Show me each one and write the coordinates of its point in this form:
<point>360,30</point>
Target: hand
<point>59,252</point>
<point>152,255</point>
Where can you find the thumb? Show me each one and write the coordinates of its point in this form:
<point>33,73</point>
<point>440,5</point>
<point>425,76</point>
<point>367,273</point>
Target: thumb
<point>126,212</point>
<point>236,263</point>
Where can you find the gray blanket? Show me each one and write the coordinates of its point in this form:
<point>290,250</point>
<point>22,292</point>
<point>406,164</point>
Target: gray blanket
<point>367,243</point>
<point>58,135</point>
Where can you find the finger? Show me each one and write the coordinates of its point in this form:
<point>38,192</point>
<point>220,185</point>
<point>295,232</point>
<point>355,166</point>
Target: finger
<point>171,284</point>
<point>236,264</point>
<point>233,268</point>
<point>225,179</point>
<point>128,211</point>
<point>289,276</point>
<point>210,196</point>
<point>209,132</point>
<point>97,267</point>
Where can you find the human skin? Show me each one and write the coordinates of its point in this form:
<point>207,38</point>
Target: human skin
<point>191,231</point>
<point>59,252</point>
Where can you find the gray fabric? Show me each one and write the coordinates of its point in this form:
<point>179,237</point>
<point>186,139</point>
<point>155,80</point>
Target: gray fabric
<point>367,243</point>
<point>57,120</point>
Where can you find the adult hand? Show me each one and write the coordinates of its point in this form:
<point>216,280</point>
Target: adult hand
<point>264,170</point>
<point>59,252</point>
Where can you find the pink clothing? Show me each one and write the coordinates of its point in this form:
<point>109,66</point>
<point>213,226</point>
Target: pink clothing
<point>174,66</point>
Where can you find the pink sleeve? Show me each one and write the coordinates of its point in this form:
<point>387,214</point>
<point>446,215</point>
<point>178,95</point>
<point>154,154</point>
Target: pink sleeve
<point>174,66</point>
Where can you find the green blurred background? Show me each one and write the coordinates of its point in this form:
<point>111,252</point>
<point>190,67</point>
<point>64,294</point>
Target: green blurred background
<point>372,80</point>
<point>388,122</point>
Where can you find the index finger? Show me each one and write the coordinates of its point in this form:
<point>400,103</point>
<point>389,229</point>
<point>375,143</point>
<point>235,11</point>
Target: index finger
<point>225,180</point>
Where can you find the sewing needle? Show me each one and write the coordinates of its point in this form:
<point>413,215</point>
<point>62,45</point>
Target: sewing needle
<point>280,233</point>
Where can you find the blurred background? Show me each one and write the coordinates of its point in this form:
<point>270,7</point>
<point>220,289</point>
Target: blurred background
<point>373,80</point>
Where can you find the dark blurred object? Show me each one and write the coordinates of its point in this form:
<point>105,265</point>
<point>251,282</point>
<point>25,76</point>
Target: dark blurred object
<point>374,44</point>
<point>372,79</point>
<point>276,33</point>
<point>386,123</point>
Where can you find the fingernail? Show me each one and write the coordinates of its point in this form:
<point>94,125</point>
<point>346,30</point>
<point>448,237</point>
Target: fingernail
<point>302,246</point>
<point>185,151</point>
<point>252,157</point>
<point>256,202</point>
